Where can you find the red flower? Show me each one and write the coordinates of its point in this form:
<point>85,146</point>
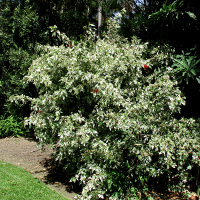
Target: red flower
<point>39,111</point>
<point>95,90</point>
<point>146,66</point>
<point>70,45</point>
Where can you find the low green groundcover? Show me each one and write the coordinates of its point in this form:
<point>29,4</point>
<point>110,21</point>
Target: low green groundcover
<point>17,184</point>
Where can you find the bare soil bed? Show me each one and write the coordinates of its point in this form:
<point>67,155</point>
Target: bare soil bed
<point>26,154</point>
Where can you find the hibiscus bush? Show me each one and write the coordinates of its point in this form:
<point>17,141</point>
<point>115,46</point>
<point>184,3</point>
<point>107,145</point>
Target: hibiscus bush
<point>110,118</point>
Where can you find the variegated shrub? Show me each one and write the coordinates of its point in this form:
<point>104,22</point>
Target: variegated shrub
<point>111,119</point>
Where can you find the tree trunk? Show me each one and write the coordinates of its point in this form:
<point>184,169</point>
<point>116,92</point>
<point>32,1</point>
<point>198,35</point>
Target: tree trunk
<point>99,18</point>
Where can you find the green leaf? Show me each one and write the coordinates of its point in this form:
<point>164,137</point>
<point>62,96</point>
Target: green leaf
<point>192,15</point>
<point>193,72</point>
<point>198,80</point>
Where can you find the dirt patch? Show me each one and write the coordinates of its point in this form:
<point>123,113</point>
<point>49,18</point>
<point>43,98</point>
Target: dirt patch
<point>26,154</point>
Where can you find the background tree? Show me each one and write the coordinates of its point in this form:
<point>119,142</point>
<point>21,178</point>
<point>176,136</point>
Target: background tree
<point>173,21</point>
<point>19,32</point>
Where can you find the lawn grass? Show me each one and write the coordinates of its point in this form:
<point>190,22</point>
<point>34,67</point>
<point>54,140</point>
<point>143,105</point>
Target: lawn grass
<point>17,184</point>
